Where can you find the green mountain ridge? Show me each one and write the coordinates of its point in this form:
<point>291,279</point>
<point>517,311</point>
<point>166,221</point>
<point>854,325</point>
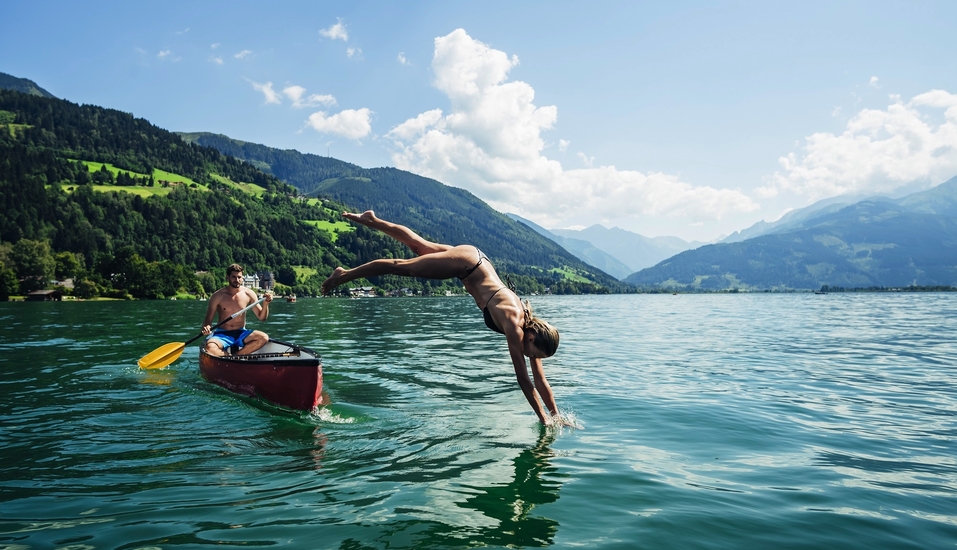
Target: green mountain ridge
<point>437,211</point>
<point>23,85</point>
<point>875,242</point>
<point>231,212</point>
<point>136,209</point>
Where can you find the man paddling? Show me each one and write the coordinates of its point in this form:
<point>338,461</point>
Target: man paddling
<point>233,337</point>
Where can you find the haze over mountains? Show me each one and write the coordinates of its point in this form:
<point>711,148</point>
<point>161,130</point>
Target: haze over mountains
<point>614,251</point>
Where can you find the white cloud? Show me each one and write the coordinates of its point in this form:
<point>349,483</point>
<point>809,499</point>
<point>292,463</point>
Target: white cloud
<point>491,143</point>
<point>402,59</point>
<point>216,60</point>
<point>243,54</point>
<point>299,98</point>
<point>588,161</point>
<point>336,32</point>
<point>267,91</point>
<point>167,55</point>
<point>214,46</point>
<point>563,145</point>
<point>879,151</point>
<point>352,52</point>
<point>350,123</point>
<point>411,128</point>
<point>873,83</point>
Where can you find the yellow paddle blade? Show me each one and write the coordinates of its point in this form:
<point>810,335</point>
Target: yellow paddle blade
<point>162,356</point>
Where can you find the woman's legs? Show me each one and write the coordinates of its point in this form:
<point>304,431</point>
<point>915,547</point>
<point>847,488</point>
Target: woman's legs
<point>434,261</point>
<point>398,232</point>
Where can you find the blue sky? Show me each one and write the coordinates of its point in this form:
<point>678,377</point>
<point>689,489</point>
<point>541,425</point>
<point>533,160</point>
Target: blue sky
<point>692,119</point>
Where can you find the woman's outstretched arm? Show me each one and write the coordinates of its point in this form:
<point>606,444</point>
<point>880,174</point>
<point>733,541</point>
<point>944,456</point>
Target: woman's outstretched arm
<point>516,352</point>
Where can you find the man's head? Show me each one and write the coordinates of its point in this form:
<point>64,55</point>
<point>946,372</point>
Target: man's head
<point>234,274</point>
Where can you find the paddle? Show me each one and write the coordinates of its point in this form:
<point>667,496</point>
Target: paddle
<point>167,353</point>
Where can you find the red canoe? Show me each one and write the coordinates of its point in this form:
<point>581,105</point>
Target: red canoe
<point>281,373</point>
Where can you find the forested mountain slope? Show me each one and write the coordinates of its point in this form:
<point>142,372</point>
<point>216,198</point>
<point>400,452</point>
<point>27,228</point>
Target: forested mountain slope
<point>49,195</point>
<point>875,242</point>
<point>22,85</point>
<point>132,208</point>
<point>437,211</point>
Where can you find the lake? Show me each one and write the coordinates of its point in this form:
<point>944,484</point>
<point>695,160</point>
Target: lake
<point>709,421</point>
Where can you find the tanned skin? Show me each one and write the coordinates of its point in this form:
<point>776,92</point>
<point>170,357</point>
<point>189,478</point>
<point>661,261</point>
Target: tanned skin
<point>442,261</point>
<point>227,301</point>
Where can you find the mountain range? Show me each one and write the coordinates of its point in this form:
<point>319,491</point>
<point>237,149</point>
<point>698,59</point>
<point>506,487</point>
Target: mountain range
<point>49,147</point>
<point>876,242</point>
<point>615,251</point>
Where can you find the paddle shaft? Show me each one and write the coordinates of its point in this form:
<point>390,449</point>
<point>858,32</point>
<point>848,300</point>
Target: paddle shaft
<point>226,320</point>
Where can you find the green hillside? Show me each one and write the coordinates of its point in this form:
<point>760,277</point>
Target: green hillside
<point>303,170</point>
<point>130,204</point>
<point>437,211</point>
<point>880,242</point>
<point>126,208</point>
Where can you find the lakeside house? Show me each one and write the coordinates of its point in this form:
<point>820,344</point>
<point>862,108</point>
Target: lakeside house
<point>44,296</point>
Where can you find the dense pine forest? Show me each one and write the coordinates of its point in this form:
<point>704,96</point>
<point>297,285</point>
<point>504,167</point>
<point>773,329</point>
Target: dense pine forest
<point>127,209</point>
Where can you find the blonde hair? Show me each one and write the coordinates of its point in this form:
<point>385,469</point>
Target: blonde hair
<point>546,336</point>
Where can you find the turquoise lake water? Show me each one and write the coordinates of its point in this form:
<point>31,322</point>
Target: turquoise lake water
<point>709,421</point>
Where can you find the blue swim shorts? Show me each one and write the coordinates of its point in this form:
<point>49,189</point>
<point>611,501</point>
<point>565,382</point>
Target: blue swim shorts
<point>231,340</point>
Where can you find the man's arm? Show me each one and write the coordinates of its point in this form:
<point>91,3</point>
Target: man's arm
<point>261,310</point>
<point>210,313</point>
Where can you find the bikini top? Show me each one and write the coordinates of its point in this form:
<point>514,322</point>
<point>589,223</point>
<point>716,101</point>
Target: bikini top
<point>489,322</point>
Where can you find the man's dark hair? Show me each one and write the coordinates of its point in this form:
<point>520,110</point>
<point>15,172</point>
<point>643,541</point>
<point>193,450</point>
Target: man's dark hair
<point>234,267</point>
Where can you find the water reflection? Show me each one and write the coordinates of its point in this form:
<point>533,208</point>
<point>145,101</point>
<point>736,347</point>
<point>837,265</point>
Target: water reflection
<point>536,482</point>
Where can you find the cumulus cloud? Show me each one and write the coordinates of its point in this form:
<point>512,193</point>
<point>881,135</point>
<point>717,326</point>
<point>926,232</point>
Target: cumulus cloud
<point>402,59</point>
<point>271,95</point>
<point>563,145</point>
<point>336,32</point>
<point>490,142</point>
<point>163,54</point>
<point>217,60</point>
<point>879,151</point>
<point>299,98</point>
<point>873,83</point>
<point>352,52</point>
<point>349,123</point>
<point>243,54</point>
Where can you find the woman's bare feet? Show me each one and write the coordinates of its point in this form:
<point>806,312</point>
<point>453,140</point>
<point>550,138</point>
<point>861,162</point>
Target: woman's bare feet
<point>333,281</point>
<point>367,218</point>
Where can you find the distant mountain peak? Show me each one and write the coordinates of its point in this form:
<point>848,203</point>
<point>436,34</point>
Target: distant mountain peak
<point>23,85</point>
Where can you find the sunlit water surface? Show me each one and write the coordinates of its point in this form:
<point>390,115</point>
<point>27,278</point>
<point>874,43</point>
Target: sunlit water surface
<point>709,421</point>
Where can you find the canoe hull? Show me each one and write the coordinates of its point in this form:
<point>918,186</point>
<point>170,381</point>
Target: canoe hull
<point>283,374</point>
